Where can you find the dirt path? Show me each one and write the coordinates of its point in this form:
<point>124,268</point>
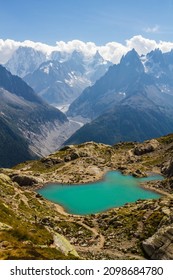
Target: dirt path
<point>117,254</point>
<point>96,233</point>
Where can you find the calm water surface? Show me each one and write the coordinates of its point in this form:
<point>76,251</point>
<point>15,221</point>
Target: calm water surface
<point>115,190</point>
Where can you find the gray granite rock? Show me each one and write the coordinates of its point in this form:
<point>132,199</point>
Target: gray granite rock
<point>160,245</point>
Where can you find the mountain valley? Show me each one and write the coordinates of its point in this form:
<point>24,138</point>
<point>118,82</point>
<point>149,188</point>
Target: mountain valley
<point>30,127</point>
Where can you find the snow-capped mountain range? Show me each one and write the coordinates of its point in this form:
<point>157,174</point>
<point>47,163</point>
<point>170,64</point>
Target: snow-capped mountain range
<point>128,101</point>
<point>24,61</point>
<point>133,101</point>
<point>58,77</point>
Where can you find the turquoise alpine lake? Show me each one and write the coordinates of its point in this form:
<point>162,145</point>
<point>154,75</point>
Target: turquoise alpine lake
<point>113,191</point>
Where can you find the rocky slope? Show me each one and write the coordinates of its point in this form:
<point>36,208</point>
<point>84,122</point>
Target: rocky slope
<point>135,79</point>
<point>131,102</point>
<point>57,83</point>
<point>27,226</point>
<point>13,147</point>
<point>124,123</point>
<point>29,126</point>
<point>140,230</point>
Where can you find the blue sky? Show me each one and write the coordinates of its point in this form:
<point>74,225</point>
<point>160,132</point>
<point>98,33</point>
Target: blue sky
<point>100,21</point>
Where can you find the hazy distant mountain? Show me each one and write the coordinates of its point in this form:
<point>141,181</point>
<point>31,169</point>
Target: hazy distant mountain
<point>62,78</point>
<point>132,101</point>
<point>160,66</point>
<point>25,60</point>
<point>109,89</point>
<point>57,83</point>
<point>28,126</point>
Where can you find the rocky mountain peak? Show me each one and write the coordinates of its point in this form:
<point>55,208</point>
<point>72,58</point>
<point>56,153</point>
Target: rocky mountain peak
<point>129,56</point>
<point>132,60</point>
<point>77,55</point>
<point>155,57</point>
<point>97,56</point>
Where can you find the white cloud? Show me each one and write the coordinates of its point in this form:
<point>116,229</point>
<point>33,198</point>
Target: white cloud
<point>88,48</point>
<point>141,44</point>
<point>8,47</point>
<point>165,46</point>
<point>112,51</point>
<point>153,29</point>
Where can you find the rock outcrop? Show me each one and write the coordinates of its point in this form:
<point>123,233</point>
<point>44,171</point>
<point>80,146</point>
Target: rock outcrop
<point>146,147</point>
<point>167,168</point>
<point>24,181</point>
<point>50,161</point>
<point>71,156</point>
<point>160,245</point>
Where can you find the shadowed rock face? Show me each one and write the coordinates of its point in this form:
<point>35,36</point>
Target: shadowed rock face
<point>146,147</point>
<point>129,103</point>
<point>160,245</point>
<point>29,127</point>
<point>24,180</point>
<point>168,168</point>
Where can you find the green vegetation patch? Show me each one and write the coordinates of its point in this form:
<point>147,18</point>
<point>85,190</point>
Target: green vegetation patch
<point>166,139</point>
<point>151,224</point>
<point>74,229</point>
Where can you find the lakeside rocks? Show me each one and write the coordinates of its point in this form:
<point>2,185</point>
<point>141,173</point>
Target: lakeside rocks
<point>24,180</point>
<point>75,164</point>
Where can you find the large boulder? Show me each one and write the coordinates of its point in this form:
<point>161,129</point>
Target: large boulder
<point>146,147</point>
<point>49,161</point>
<point>24,180</point>
<point>160,245</point>
<point>71,156</point>
<point>167,168</point>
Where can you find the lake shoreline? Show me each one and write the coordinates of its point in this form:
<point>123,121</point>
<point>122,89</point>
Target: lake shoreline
<point>148,186</point>
<point>95,180</point>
